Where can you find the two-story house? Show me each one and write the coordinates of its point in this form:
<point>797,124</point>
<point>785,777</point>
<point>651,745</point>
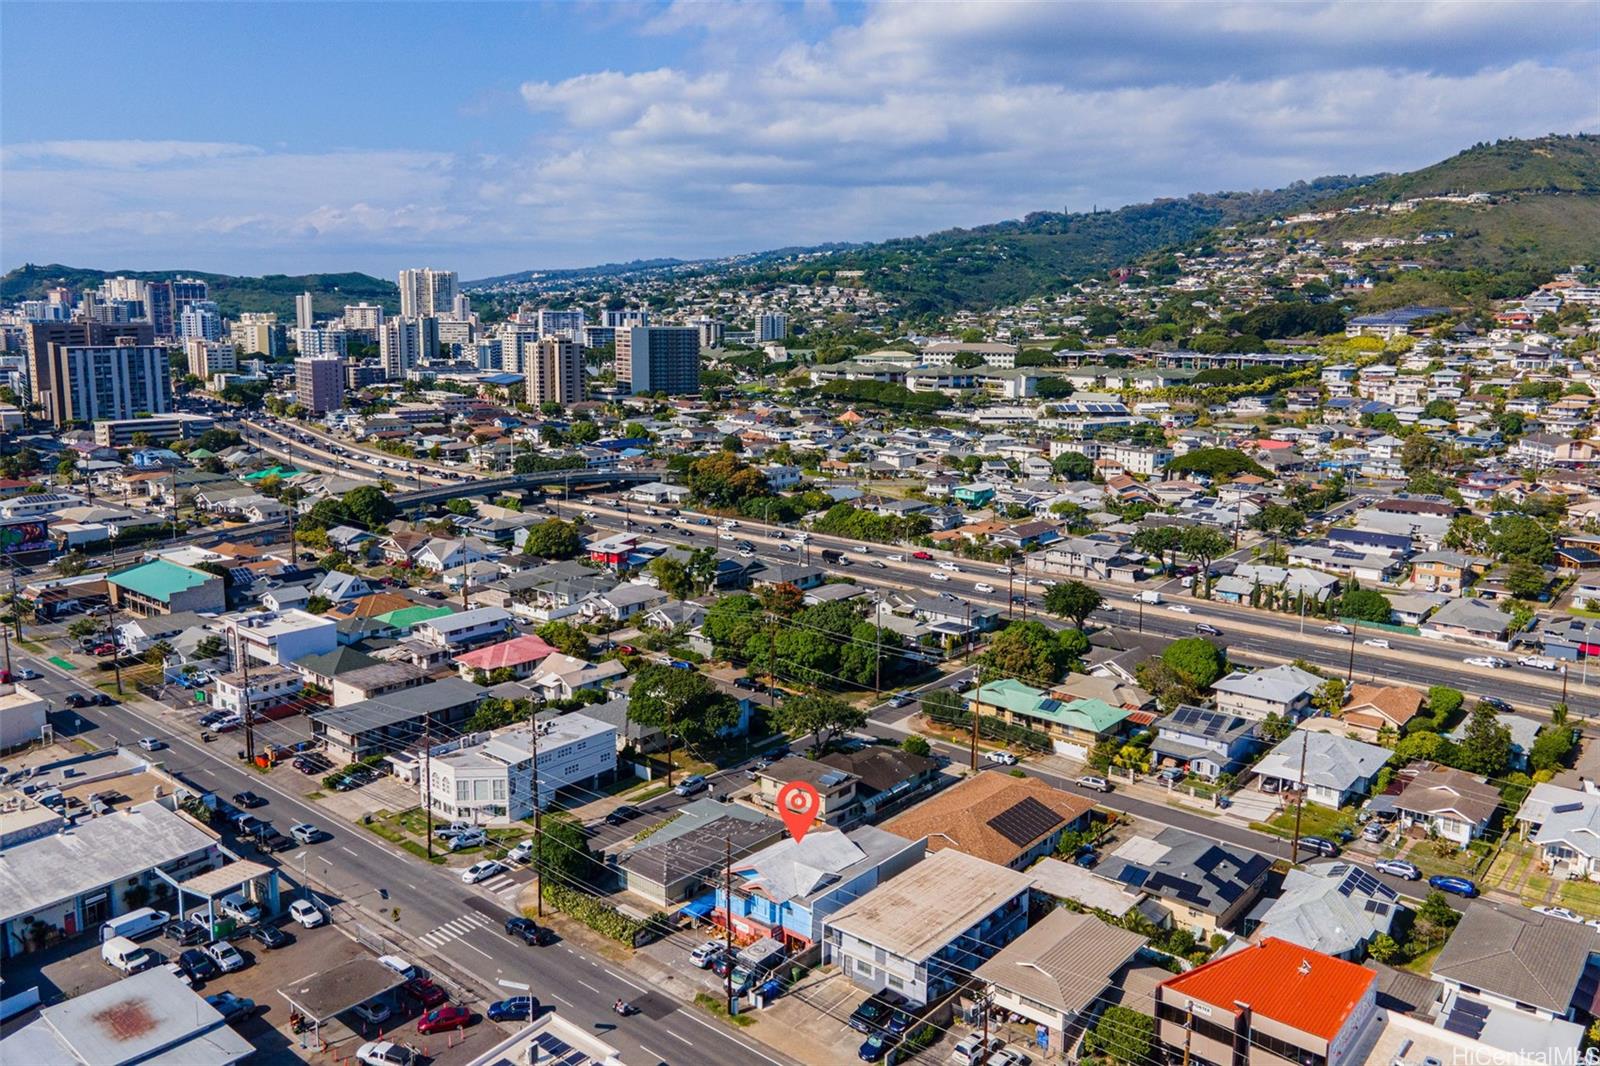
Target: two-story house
<point>1285,691</point>
<point>1204,742</point>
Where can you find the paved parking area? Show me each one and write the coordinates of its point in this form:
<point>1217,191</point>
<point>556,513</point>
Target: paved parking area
<point>809,1021</point>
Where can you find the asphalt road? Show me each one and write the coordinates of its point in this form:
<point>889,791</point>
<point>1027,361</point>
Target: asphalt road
<point>356,867</point>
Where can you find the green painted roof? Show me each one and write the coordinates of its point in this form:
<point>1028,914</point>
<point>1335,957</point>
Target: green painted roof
<point>160,579</point>
<point>201,453</point>
<point>1094,716</point>
<point>406,617</point>
<point>271,471</point>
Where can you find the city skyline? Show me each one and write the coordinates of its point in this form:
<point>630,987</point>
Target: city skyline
<point>647,130</point>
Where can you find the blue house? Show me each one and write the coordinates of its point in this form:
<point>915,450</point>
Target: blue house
<point>785,891</point>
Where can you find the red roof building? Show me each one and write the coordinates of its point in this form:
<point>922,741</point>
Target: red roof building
<point>520,655</point>
<point>1274,1002</point>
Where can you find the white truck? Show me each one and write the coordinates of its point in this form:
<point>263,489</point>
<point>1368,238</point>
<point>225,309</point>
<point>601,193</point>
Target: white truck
<point>1148,596</point>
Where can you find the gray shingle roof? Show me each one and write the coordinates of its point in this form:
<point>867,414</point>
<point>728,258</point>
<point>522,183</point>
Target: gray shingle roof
<point>1513,952</point>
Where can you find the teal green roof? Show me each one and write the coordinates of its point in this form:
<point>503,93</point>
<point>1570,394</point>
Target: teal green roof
<point>406,617</point>
<point>1093,716</point>
<point>271,471</point>
<point>160,579</point>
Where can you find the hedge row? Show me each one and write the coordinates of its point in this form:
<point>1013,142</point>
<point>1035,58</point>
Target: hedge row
<point>991,728</point>
<point>601,917</point>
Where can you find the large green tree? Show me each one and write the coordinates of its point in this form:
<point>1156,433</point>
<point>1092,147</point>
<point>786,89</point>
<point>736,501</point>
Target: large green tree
<point>369,506</point>
<point>1074,600</point>
<point>553,539</point>
<point>1204,546</point>
<point>822,718</point>
<point>1368,605</point>
<point>1123,1035</point>
<point>722,480</point>
<point>1027,651</point>
<point>681,703</point>
<point>1485,745</point>
<point>1198,661</point>
<point>672,577</point>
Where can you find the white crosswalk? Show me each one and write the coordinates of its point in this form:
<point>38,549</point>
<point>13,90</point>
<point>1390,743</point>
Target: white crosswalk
<point>502,887</point>
<point>454,929</point>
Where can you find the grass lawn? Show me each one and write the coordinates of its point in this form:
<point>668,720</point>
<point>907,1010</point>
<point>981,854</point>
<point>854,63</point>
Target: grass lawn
<point>1581,896</point>
<point>1508,867</point>
<point>1536,889</point>
<point>646,791</point>
<point>1315,821</point>
<point>714,1006</point>
<point>1423,963</point>
<point>1459,864</point>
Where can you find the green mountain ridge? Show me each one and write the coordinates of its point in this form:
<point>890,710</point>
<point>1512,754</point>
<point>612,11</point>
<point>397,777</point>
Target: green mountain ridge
<point>233,294</point>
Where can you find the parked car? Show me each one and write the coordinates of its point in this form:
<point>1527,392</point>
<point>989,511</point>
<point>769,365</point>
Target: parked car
<point>444,1019</point>
<point>198,964</point>
<point>385,1053</point>
<point>1094,781</point>
<point>1172,775</point>
<point>232,1008</point>
<point>184,932</point>
<point>306,914</point>
<point>373,1011</point>
<point>691,785</point>
<point>269,936</point>
<point>472,838</point>
<point>515,1009</point>
<point>522,853</point>
<point>901,699</point>
<point>226,956</point>
<point>306,833</point>
<point>1319,846</point>
<point>425,992</point>
<point>871,1015</point>
<point>971,1050</point>
<point>1456,886</point>
<point>704,955</point>
<point>248,800</point>
<point>1002,758</point>
<point>1374,832</point>
<point>1558,912</point>
<point>876,1046</point>
<point>482,871</point>
<point>1398,868</point>
<point>399,965</point>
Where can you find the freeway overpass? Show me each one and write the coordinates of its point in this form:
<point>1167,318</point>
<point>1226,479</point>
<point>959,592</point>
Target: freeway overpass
<point>519,482</point>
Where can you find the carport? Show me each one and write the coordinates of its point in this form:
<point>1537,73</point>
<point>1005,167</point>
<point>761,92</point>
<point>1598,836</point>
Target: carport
<point>211,885</point>
<point>320,997</point>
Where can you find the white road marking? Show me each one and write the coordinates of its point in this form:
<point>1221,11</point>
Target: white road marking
<point>725,1033</point>
<point>479,950</point>
<point>675,1036</point>
<point>590,987</point>
<point>348,852</point>
<point>657,1056</point>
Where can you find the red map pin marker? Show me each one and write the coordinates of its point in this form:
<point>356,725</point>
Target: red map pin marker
<point>798,805</point>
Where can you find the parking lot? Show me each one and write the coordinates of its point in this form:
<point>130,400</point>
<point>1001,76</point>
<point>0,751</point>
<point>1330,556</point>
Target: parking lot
<point>76,968</point>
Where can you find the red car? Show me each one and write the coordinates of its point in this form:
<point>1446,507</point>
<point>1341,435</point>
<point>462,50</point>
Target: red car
<point>104,649</point>
<point>443,1020</point>
<point>922,555</point>
<point>425,992</point>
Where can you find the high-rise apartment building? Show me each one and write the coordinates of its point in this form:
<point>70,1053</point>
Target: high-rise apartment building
<point>659,359</point>
<point>426,291</point>
<point>46,344</point>
<point>461,307</point>
<point>210,358</point>
<point>627,318</point>
<point>121,288</point>
<point>305,316</point>
<point>568,324</point>
<point>489,354</point>
<point>364,317</point>
<point>554,371</point>
<point>259,333</point>
<point>200,320</point>
<point>319,384</point>
<point>711,332</point>
<point>322,342</point>
<point>772,327</point>
<point>109,381</point>
<point>405,341</point>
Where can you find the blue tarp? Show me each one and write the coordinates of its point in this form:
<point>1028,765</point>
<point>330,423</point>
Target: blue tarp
<point>699,908</point>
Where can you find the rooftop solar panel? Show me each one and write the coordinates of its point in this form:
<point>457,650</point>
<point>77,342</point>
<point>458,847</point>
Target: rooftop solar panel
<point>1025,821</point>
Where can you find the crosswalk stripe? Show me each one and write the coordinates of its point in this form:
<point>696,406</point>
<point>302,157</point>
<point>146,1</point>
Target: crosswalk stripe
<point>431,939</point>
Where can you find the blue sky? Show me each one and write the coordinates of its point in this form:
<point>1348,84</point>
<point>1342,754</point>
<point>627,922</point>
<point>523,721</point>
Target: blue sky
<point>288,137</point>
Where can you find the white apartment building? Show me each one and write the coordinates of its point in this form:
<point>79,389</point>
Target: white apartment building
<point>771,327</point>
<point>269,686</point>
<point>405,341</point>
<point>425,291</point>
<point>322,343</point>
<point>565,324</point>
<point>363,316</point>
<point>1135,459</point>
<point>210,358</point>
<point>281,637</point>
<point>487,778</point>
<point>304,315</point>
<point>464,628</point>
<point>258,333</point>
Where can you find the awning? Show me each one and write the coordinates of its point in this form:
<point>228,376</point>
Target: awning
<point>700,908</point>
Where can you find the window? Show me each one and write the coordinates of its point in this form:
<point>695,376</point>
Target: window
<point>896,983</point>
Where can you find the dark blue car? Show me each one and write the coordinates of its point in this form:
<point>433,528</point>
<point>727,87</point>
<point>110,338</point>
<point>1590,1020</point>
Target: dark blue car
<point>515,1009</point>
<point>876,1046</point>
<point>1458,886</point>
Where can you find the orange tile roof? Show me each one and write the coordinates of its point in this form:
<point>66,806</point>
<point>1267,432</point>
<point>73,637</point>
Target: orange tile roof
<point>1398,703</point>
<point>377,603</point>
<point>514,652</point>
<point>960,816</point>
<point>1294,986</point>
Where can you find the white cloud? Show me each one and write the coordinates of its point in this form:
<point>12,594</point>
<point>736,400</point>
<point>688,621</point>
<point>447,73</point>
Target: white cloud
<point>784,125</point>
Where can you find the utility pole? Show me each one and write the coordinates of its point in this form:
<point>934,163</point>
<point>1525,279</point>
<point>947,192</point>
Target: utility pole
<point>669,745</point>
<point>538,809</point>
<point>249,704</point>
<point>294,548</point>
<point>111,620</point>
<point>977,713</point>
<point>1300,802</point>
<point>5,635</point>
<point>174,503</point>
<point>727,915</point>
<point>1350,670</point>
<point>427,777</point>
<point>1188,1032</point>
<point>16,611</point>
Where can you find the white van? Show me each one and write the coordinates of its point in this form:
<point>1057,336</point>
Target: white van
<point>1149,597</point>
<point>135,924</point>
<point>124,955</point>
